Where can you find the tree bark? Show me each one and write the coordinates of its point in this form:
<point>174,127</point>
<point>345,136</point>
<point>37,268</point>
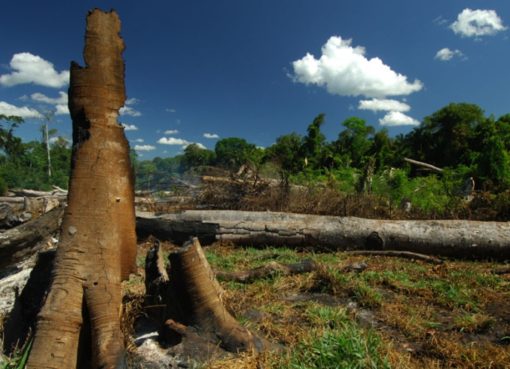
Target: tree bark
<point>98,245</point>
<point>451,238</point>
<point>191,296</point>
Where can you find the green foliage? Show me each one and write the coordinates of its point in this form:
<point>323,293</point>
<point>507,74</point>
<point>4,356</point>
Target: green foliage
<point>445,137</point>
<point>285,152</point>
<point>19,361</point>
<point>3,186</point>
<point>336,342</point>
<point>233,152</point>
<point>195,156</point>
<point>313,142</point>
<point>354,141</point>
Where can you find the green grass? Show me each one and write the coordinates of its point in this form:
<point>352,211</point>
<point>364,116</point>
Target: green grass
<point>334,342</point>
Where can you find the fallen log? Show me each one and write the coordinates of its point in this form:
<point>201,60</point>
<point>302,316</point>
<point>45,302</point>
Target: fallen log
<point>22,241</point>
<point>451,238</point>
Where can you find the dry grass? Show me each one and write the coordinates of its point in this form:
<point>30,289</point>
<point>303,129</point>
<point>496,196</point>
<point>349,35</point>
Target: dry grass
<point>406,314</point>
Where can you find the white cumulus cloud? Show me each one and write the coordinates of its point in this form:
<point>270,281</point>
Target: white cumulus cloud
<point>178,142</point>
<point>129,127</point>
<point>396,118</point>
<point>211,135</point>
<point>61,109</point>
<point>476,23</point>
<point>171,132</point>
<point>128,110</point>
<point>446,54</point>
<point>345,70</point>
<point>200,145</point>
<point>19,111</point>
<point>383,105</point>
<point>173,141</point>
<point>139,140</point>
<point>144,148</point>
<point>29,68</point>
<point>59,102</point>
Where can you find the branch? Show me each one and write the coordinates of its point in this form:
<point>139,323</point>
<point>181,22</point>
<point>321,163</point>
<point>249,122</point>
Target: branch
<point>424,165</point>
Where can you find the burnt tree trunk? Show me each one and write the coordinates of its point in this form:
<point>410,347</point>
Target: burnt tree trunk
<point>97,248</point>
<point>192,297</point>
<point>452,238</point>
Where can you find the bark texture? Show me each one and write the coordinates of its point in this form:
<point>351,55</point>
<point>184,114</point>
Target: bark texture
<point>198,297</point>
<point>24,240</point>
<point>192,297</point>
<point>98,244</point>
<point>452,238</point>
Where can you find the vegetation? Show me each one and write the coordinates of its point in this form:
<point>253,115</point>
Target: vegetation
<point>458,138</point>
<point>395,314</point>
<point>25,164</point>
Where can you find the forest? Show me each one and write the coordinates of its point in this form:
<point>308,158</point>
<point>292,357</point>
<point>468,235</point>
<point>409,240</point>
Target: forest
<point>469,147</point>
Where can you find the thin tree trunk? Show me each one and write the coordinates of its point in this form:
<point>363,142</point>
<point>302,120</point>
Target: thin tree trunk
<point>452,238</point>
<point>98,244</point>
<point>47,139</point>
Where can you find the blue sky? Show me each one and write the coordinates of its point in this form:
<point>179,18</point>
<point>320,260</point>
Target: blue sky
<point>197,71</point>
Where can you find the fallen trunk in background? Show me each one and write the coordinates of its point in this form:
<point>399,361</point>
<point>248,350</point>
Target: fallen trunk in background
<point>452,238</point>
<point>21,242</point>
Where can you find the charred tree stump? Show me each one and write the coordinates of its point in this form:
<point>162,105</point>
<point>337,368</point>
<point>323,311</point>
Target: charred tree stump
<point>192,297</point>
<point>97,248</point>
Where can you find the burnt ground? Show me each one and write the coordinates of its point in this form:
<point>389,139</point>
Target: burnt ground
<point>392,313</point>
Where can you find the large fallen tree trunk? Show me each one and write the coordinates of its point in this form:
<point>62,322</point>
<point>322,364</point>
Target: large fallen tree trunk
<point>79,325</point>
<point>453,238</point>
<point>20,242</point>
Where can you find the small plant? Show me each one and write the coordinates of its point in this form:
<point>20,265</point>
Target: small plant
<point>336,342</point>
<point>20,360</point>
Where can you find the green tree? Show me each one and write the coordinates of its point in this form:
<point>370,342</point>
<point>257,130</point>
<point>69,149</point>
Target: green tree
<point>286,152</point>
<point>313,142</point>
<point>10,144</point>
<point>195,156</point>
<point>233,152</point>
<point>382,149</point>
<point>354,141</point>
<point>445,138</point>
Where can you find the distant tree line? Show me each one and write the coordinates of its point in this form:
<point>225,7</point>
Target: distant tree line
<point>26,164</point>
<point>458,137</point>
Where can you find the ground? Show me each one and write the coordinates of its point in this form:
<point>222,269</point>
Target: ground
<point>366,312</point>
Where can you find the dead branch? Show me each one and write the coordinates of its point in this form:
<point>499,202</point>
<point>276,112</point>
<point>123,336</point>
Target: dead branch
<point>398,254</point>
<point>424,165</point>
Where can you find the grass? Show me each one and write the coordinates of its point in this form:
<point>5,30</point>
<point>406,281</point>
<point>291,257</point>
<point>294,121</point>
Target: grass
<point>406,314</point>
